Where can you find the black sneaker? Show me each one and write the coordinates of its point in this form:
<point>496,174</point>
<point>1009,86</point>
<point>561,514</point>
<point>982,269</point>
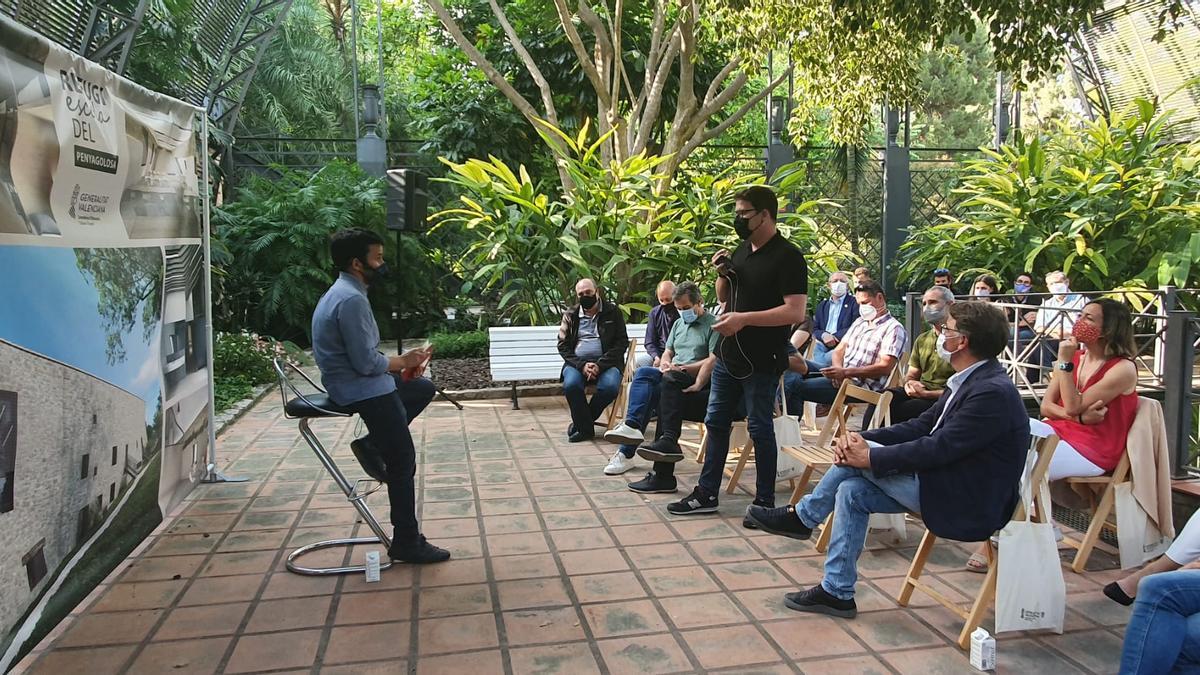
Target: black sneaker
<point>369,459</point>
<point>750,524</point>
<point>661,450</point>
<point>655,484</point>
<point>818,601</point>
<point>420,552</point>
<point>782,521</point>
<point>574,436</point>
<point>696,503</point>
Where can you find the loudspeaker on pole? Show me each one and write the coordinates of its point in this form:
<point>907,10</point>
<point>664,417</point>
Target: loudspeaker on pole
<point>407,200</point>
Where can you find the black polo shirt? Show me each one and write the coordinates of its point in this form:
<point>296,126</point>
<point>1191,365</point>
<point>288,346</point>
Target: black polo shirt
<point>762,278</point>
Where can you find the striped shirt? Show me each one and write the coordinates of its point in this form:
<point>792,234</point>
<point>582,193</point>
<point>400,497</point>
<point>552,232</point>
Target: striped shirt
<point>867,341</point>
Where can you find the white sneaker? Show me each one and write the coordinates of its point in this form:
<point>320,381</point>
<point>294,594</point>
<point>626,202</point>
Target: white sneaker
<point>624,434</point>
<point>618,465</point>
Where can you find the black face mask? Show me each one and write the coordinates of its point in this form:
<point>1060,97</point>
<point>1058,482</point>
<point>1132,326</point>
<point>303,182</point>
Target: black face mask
<point>373,274</point>
<point>587,301</point>
<point>742,227</point>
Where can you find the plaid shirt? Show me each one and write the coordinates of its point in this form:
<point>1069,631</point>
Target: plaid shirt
<point>866,341</point>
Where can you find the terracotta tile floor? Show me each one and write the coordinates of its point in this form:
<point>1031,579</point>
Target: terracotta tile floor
<point>556,569</point>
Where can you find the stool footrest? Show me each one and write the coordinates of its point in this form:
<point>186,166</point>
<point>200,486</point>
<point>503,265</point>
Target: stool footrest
<point>295,567</point>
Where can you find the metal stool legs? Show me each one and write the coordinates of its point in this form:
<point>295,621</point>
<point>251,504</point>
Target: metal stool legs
<point>354,496</point>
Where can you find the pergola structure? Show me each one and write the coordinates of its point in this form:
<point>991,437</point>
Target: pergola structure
<point>1118,59</point>
<point>231,40</point>
<point>1113,61</point>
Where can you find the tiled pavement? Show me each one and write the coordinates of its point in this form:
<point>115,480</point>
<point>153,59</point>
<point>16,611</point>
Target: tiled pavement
<point>556,569</point>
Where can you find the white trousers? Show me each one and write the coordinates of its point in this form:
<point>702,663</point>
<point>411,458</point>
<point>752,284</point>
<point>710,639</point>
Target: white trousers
<point>1186,547</point>
<point>1066,462</point>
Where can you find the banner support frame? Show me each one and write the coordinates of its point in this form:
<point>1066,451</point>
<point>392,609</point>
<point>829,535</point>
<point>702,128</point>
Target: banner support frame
<point>211,473</point>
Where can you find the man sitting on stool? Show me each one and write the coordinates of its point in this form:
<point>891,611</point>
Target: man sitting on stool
<point>387,392</point>
<point>959,464</point>
<point>658,324</point>
<point>592,341</point>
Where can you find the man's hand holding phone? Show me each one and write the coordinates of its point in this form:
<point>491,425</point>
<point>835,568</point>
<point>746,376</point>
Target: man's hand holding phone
<point>414,361</point>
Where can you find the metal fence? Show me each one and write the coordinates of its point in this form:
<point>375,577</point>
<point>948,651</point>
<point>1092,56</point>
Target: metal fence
<point>1166,346</point>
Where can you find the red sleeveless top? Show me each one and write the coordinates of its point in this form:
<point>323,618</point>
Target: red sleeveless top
<point>1102,444</point>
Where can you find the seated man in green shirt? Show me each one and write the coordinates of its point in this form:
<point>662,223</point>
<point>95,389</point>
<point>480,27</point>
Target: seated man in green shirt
<point>678,388</point>
<point>927,370</point>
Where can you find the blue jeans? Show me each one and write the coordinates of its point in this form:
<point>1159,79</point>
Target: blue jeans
<point>800,389</point>
<point>1163,634</point>
<point>822,355</point>
<point>584,413</point>
<point>643,402</point>
<point>857,493</point>
<point>757,393</point>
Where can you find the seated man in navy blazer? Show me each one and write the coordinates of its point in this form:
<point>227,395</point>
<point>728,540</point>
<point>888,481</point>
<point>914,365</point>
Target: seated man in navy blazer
<point>959,464</point>
<point>832,319</point>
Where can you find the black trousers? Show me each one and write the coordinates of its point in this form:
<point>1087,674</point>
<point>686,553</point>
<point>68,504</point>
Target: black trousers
<point>675,406</point>
<point>387,418</point>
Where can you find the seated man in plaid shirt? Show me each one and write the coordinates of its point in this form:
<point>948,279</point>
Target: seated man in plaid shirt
<point>865,356</point>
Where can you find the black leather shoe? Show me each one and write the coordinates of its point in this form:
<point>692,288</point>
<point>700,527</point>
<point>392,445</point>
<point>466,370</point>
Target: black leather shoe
<point>655,484</point>
<point>369,459</point>
<point>750,524</point>
<point>818,601</point>
<point>420,552</point>
<point>782,521</point>
<point>661,450</point>
<point>1113,592</point>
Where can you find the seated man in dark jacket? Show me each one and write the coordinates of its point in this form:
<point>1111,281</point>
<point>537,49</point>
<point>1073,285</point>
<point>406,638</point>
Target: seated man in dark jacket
<point>959,464</point>
<point>592,341</point>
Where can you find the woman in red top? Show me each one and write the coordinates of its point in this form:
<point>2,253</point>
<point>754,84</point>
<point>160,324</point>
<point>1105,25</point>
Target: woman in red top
<point>1091,420</point>
<point>1092,397</point>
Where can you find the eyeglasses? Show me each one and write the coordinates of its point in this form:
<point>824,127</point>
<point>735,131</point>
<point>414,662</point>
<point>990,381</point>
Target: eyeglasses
<point>957,333</point>
<point>745,213</point>
<point>941,272</point>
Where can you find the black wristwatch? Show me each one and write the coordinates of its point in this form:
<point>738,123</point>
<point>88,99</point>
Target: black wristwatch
<point>1066,366</point>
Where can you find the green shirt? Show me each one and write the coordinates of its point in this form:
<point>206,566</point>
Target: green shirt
<point>692,342</point>
<point>934,369</point>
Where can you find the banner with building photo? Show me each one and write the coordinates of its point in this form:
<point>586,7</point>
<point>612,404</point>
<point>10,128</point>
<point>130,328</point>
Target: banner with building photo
<point>105,401</point>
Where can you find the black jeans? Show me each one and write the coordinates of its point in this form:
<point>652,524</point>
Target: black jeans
<point>387,418</point>
<point>675,406</point>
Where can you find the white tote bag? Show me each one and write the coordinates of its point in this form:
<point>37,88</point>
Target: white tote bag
<point>1137,537</point>
<point>1030,591</point>
<point>787,435</point>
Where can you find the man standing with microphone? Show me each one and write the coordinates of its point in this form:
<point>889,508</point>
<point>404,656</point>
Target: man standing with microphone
<point>766,281</point>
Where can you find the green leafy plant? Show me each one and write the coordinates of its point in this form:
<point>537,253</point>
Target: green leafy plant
<point>472,345</point>
<point>620,225</point>
<point>1113,204</point>
<point>243,360</point>
<point>271,253</point>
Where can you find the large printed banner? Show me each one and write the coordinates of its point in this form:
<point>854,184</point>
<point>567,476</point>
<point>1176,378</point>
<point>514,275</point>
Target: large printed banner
<point>104,378</point>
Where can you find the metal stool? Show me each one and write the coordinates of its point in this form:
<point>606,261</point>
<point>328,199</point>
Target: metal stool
<point>305,407</point>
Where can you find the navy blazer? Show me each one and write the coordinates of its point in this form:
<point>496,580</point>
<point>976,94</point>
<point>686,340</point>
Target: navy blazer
<point>845,318</point>
<point>970,467</point>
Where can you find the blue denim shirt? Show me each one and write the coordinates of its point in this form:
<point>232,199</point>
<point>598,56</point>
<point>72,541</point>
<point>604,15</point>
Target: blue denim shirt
<point>346,344</point>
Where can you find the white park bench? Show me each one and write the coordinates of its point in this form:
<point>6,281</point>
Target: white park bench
<point>531,353</point>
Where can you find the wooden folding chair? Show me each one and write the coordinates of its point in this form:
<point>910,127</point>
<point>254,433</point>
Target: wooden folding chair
<point>1103,509</point>
<point>616,409</point>
<point>881,418</point>
<point>820,455</point>
<point>972,616</point>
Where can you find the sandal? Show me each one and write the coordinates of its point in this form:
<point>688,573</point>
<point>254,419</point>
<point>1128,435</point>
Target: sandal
<point>977,563</point>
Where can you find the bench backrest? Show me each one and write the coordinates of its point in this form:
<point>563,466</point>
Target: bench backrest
<point>531,352</point>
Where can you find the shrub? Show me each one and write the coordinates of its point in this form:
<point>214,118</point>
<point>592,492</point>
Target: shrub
<point>621,224</point>
<point>1113,204</point>
<point>231,389</point>
<point>271,253</point>
<point>472,345</point>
